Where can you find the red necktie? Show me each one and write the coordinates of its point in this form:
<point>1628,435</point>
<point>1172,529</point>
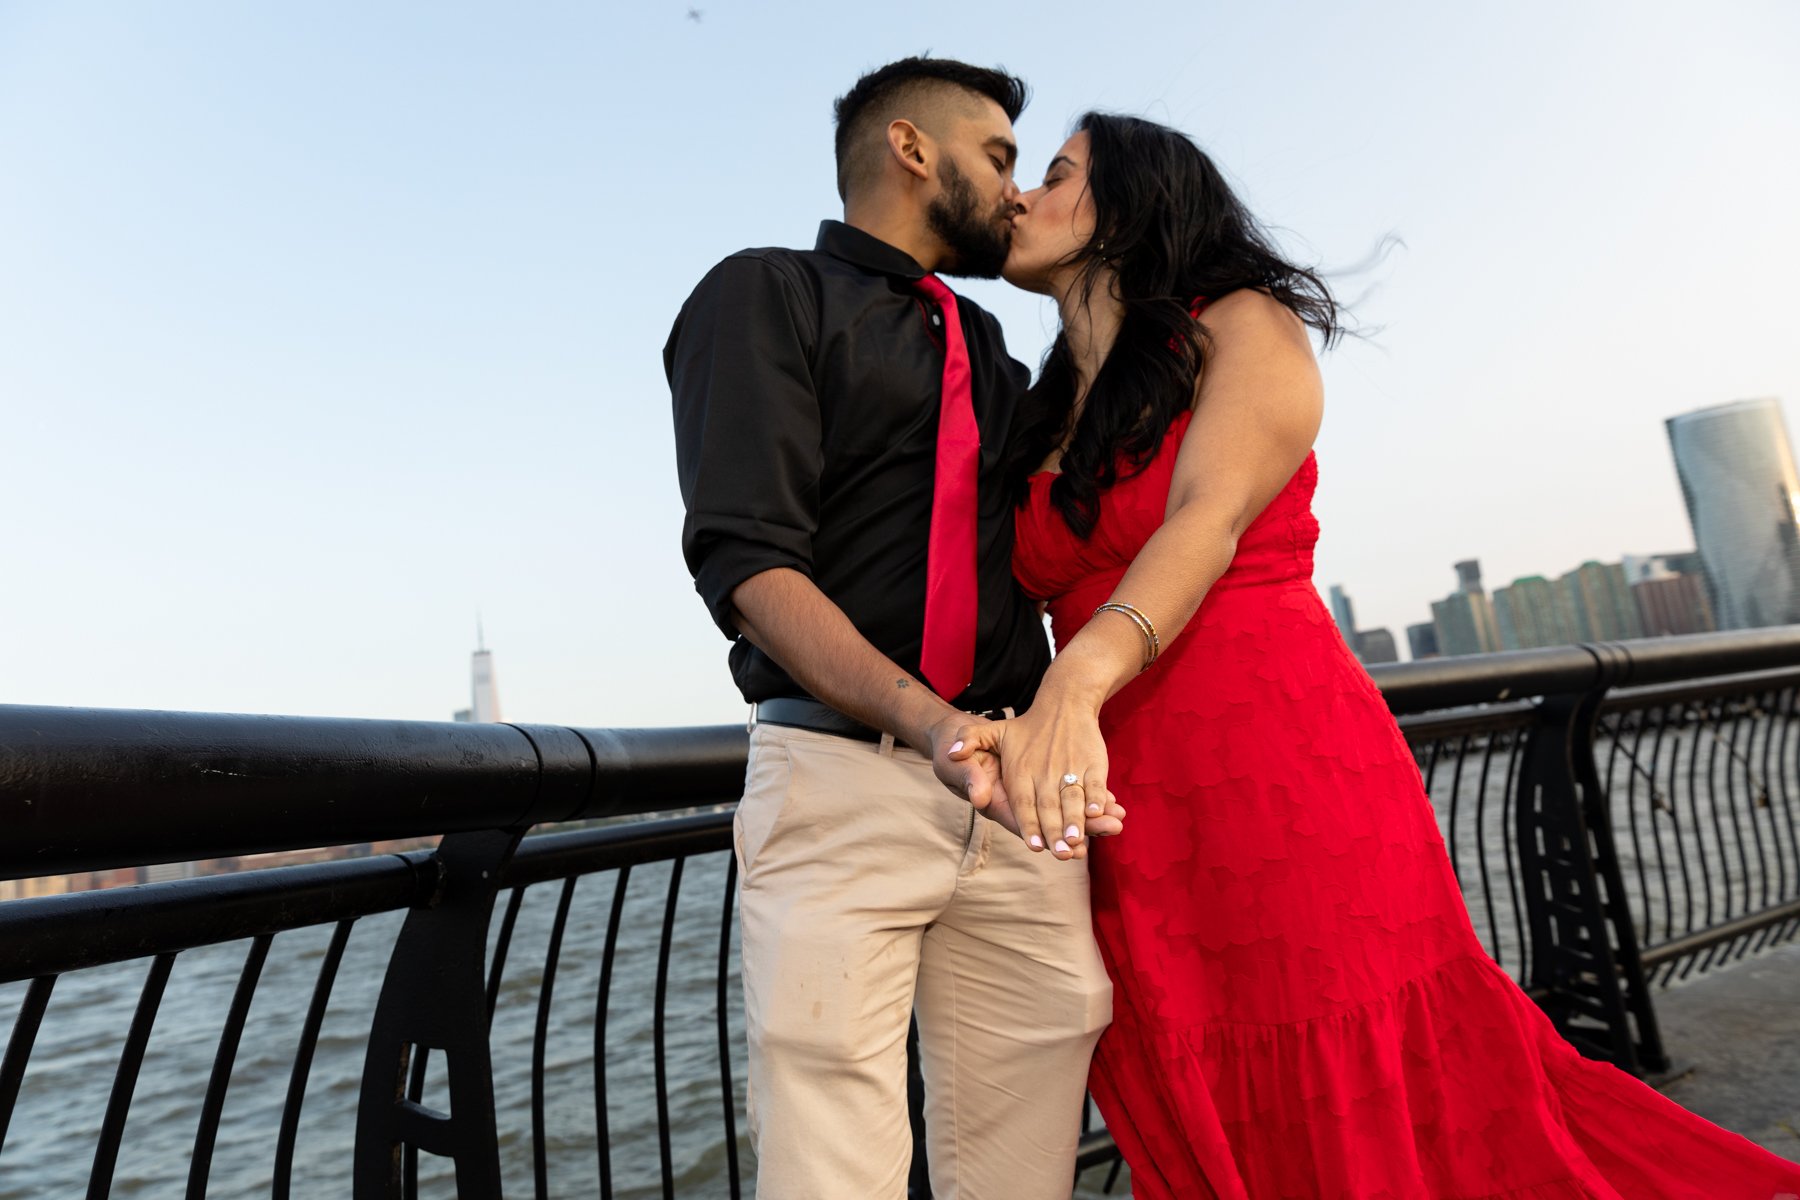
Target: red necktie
<point>947,659</point>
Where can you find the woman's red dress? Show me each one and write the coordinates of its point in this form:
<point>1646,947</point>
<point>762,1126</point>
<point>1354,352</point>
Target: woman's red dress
<point>1301,1007</point>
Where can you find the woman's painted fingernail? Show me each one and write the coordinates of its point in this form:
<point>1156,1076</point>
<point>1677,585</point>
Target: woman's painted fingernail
<point>1072,833</point>
<point>1094,809</point>
<point>1037,843</point>
<point>955,747</point>
<point>1062,847</point>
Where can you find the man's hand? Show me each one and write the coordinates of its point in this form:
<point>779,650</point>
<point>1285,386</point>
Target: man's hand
<point>998,808</point>
<point>974,777</point>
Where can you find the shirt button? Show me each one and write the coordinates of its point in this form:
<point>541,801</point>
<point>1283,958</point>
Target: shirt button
<point>936,319</point>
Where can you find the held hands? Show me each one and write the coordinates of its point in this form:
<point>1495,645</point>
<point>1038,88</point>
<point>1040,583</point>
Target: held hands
<point>1022,769</point>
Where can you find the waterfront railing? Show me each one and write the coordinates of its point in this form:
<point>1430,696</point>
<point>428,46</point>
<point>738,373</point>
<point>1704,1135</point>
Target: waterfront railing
<point>546,1002</point>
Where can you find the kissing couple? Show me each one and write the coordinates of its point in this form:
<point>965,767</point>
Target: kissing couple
<point>1189,863</point>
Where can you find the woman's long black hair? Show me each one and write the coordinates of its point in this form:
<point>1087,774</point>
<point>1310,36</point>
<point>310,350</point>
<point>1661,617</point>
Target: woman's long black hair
<point>1169,227</point>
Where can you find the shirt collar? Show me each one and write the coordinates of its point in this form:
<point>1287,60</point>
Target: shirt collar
<point>865,250</point>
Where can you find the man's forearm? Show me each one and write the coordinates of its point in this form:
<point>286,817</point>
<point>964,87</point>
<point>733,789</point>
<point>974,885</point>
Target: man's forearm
<point>785,615</point>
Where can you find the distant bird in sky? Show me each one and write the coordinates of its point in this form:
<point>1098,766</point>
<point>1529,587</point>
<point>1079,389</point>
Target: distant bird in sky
<point>695,15</point>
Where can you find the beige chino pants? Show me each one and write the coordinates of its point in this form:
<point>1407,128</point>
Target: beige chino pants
<point>865,893</point>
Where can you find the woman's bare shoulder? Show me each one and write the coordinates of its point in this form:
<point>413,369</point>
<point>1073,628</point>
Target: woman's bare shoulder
<point>1253,313</point>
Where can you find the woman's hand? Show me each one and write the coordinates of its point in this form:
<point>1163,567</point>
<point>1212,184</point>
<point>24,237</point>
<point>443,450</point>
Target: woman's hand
<point>1038,752</point>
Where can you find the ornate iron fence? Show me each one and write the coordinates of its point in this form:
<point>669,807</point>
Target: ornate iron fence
<point>1617,814</point>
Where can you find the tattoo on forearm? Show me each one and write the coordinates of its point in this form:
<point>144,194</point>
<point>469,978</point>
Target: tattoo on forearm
<point>901,683</point>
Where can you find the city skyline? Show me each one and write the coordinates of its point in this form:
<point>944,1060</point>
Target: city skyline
<point>1742,492</point>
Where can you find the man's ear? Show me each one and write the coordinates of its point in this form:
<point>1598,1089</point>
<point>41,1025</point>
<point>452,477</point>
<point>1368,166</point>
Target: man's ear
<point>910,147</point>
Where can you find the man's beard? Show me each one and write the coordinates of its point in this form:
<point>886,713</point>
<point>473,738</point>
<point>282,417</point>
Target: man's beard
<point>978,241</point>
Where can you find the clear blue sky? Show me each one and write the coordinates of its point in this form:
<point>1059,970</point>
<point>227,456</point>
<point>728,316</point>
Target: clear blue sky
<point>324,325</point>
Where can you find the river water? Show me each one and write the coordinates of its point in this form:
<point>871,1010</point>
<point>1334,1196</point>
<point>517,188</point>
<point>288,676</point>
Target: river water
<point>49,1147</point>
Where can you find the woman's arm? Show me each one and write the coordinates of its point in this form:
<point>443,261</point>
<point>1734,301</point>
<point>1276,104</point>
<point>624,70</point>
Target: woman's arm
<point>1257,410</point>
<point>1255,418</point>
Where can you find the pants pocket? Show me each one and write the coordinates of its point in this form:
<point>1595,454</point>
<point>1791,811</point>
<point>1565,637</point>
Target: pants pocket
<point>766,792</point>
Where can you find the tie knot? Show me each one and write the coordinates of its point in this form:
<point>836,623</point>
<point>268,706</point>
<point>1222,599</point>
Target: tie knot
<point>935,289</point>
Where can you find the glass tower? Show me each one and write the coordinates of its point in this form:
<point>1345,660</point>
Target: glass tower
<point>1742,492</point>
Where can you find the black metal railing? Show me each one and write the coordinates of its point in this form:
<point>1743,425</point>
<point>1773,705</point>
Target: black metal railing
<point>1617,815</point>
<point>1706,807</point>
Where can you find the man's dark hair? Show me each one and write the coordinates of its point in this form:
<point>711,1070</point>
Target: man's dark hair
<point>875,97</point>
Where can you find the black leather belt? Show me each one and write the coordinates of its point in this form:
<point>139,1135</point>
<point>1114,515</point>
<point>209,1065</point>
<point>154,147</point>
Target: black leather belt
<point>822,718</point>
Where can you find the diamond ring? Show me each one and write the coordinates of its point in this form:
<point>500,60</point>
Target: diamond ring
<point>1071,780</point>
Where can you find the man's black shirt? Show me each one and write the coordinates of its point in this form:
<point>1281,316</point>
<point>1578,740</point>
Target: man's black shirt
<point>806,388</point>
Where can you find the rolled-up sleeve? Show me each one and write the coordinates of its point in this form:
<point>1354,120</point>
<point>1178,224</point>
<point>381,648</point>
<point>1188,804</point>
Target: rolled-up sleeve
<point>747,429</point>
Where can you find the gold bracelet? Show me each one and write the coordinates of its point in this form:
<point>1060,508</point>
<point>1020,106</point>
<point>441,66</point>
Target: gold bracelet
<point>1152,644</point>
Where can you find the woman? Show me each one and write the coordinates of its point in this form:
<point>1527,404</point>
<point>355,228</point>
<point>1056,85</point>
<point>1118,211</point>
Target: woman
<point>1301,1007</point>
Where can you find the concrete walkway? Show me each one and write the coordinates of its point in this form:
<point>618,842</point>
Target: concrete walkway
<point>1734,1037</point>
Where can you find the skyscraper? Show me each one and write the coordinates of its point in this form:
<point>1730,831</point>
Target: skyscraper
<point>1670,593</point>
<point>1421,640</point>
<point>1673,603</point>
<point>1601,601</point>
<point>1462,621</point>
<point>1465,618</point>
<point>484,691</point>
<point>1343,614</point>
<point>1376,646</point>
<point>1530,613</point>
<point>1742,491</point>
<point>1468,575</point>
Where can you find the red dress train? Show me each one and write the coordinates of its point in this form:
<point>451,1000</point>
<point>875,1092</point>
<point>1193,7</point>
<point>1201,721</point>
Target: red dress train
<point>1301,1007</point>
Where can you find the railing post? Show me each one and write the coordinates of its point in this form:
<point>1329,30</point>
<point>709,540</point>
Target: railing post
<point>1584,951</point>
<point>434,999</point>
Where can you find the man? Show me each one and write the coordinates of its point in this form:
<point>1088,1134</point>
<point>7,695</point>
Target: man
<point>841,423</point>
